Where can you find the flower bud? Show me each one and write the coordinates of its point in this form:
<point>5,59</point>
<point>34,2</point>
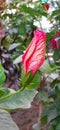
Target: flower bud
<point>47,6</point>
<point>34,55</point>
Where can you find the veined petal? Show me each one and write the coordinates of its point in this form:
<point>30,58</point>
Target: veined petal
<point>34,56</point>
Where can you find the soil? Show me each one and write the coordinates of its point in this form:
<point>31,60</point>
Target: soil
<point>27,117</point>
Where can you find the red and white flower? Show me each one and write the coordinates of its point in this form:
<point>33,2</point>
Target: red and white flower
<point>34,55</point>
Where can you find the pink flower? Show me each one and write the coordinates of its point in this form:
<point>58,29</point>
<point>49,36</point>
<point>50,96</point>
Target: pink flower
<point>47,6</point>
<point>53,43</point>
<point>34,55</point>
<point>2,4</point>
<point>1,31</point>
<point>57,34</point>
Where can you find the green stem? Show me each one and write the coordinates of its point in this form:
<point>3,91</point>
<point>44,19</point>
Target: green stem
<point>12,94</point>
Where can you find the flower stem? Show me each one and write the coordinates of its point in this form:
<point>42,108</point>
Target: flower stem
<point>40,112</point>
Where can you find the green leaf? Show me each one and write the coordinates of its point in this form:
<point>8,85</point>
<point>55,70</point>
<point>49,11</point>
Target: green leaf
<point>42,95</point>
<point>22,29</point>
<point>55,12</point>
<point>14,55</point>
<point>46,68</point>
<point>50,36</point>
<point>32,11</point>
<point>2,75</point>
<point>26,78</point>
<point>57,17</point>
<point>56,55</point>
<point>6,122</point>
<point>57,91</point>
<point>51,128</point>
<point>55,82</point>
<point>35,83</point>
<point>44,120</point>
<point>13,46</point>
<point>19,99</point>
<point>4,91</point>
<point>58,126</point>
<point>9,41</point>
<point>36,126</point>
<point>59,86</point>
<point>52,111</point>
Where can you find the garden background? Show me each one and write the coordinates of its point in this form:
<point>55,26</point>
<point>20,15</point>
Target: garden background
<point>32,98</point>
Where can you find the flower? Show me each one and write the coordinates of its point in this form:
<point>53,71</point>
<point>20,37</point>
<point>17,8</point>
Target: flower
<point>53,43</point>
<point>1,31</point>
<point>2,4</point>
<point>47,6</point>
<point>57,34</point>
<point>34,55</point>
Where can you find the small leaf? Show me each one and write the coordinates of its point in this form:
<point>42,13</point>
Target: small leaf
<point>22,29</point>
<point>57,91</point>
<point>36,126</point>
<point>35,83</point>
<point>15,55</point>
<point>44,120</point>
<point>56,55</point>
<point>4,91</point>
<point>44,69</point>
<point>42,95</point>
<point>13,46</point>
<point>50,111</point>
<point>18,60</point>
<point>55,13</point>
<point>26,78</point>
<point>2,75</point>
<point>51,128</point>
<point>58,126</point>
<point>55,82</point>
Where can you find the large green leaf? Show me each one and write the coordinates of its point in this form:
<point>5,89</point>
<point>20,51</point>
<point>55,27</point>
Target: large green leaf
<point>19,99</point>
<point>6,122</point>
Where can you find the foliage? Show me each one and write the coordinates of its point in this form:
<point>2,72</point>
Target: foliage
<point>19,99</point>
